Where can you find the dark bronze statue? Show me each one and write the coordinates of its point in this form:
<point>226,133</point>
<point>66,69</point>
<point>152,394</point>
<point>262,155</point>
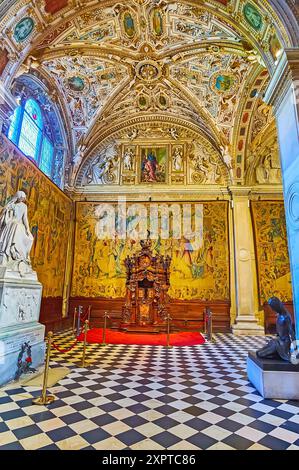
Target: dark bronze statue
<point>279,347</point>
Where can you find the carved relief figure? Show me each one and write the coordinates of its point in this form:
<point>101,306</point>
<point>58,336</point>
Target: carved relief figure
<point>101,170</point>
<point>177,159</point>
<point>174,133</point>
<point>228,160</point>
<point>133,134</point>
<point>206,170</point>
<point>15,237</point>
<point>129,159</point>
<point>265,173</point>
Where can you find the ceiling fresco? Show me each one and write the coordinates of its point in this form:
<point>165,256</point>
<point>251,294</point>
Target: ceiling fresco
<point>139,60</point>
<point>86,83</point>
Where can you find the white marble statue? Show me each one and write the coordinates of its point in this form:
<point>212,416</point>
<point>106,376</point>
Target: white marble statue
<point>15,237</point>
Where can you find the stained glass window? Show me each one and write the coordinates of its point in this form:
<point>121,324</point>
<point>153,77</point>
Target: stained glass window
<point>29,137</point>
<point>13,133</point>
<point>27,132</point>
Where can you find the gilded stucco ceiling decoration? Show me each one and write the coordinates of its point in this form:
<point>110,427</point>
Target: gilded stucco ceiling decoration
<point>182,157</point>
<point>156,48</point>
<point>246,114</point>
<point>112,60</point>
<point>217,81</point>
<point>86,83</point>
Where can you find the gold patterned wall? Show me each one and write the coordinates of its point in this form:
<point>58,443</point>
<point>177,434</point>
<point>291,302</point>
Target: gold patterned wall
<point>195,273</point>
<point>49,213</point>
<point>274,277</point>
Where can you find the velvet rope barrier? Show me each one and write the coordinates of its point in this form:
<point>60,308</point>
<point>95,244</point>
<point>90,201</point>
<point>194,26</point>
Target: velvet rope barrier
<point>63,351</point>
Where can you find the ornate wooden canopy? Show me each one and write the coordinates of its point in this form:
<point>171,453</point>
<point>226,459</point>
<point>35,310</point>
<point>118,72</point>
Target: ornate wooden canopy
<point>147,286</point>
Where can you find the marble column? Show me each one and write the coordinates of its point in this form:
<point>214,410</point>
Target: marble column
<point>283,94</point>
<point>246,322</point>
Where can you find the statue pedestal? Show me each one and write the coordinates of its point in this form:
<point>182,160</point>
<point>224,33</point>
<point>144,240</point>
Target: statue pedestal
<point>273,378</point>
<point>20,300</point>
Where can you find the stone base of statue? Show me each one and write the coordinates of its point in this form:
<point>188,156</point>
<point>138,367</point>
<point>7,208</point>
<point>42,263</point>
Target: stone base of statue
<point>22,347</point>
<point>273,378</point>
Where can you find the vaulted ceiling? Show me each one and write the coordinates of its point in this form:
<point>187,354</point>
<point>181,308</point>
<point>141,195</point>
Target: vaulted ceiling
<point>111,63</point>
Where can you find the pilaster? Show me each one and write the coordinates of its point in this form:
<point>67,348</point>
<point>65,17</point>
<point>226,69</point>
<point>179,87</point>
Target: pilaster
<point>283,94</point>
<point>246,322</point>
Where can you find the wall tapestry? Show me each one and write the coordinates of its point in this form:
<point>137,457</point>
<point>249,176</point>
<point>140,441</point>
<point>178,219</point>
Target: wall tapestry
<point>201,273</point>
<point>49,212</point>
<point>274,277</point>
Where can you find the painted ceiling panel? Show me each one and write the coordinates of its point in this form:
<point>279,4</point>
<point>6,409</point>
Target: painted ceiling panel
<point>53,6</point>
<point>86,83</point>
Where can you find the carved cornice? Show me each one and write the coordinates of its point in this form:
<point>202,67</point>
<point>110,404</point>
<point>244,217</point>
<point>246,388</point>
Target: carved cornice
<point>265,192</point>
<point>154,194</point>
<point>287,72</point>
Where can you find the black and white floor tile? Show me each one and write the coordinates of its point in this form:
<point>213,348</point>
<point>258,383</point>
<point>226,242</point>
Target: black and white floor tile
<point>150,398</point>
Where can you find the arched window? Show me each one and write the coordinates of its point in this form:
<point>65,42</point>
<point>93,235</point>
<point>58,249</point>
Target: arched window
<point>27,131</point>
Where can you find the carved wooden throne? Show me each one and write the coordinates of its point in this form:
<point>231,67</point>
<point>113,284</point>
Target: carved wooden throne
<point>147,286</point>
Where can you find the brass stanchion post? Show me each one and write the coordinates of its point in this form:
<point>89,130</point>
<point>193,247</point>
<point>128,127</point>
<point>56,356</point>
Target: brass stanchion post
<point>85,343</point>
<point>74,319</point>
<point>79,319</point>
<point>46,399</point>
<point>89,314</point>
<point>105,327</point>
<point>210,326</point>
<point>205,320</point>
<point>212,339</point>
<point>168,318</point>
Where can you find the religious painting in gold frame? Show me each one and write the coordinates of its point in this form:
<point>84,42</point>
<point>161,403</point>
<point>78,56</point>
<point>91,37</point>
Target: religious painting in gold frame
<point>153,164</point>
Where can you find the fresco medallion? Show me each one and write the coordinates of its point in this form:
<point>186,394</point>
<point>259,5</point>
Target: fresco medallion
<point>223,82</point>
<point>129,24</point>
<point>76,83</point>
<point>23,29</point>
<point>253,16</point>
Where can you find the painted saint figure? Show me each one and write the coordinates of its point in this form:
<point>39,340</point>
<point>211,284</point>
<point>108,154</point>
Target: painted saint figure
<point>149,167</point>
<point>157,21</point>
<point>129,24</point>
<point>15,237</point>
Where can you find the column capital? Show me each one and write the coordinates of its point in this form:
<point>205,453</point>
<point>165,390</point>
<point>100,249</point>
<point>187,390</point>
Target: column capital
<point>286,73</point>
<point>240,191</point>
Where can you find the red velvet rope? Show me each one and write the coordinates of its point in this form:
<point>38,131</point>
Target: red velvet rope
<point>84,318</point>
<point>62,351</point>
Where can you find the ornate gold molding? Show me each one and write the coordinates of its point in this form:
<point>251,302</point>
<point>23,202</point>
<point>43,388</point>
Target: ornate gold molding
<point>287,72</point>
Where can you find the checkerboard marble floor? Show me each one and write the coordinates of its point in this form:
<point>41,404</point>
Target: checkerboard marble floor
<point>150,398</point>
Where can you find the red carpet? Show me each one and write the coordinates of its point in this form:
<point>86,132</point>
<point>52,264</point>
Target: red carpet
<point>117,337</point>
